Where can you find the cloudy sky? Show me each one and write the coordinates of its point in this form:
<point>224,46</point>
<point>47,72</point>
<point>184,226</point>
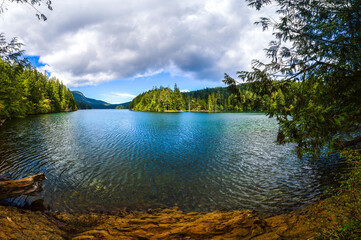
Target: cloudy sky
<point>113,50</point>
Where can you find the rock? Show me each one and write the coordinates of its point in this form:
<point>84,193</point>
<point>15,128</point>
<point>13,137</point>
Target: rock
<point>165,224</point>
<point>23,225</point>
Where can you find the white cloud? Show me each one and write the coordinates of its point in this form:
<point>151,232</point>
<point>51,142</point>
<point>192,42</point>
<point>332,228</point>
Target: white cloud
<point>124,95</point>
<point>116,98</point>
<point>87,42</point>
<point>184,90</point>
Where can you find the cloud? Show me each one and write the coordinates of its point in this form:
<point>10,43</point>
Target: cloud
<point>87,42</point>
<point>116,98</point>
<point>184,90</point>
<point>124,95</point>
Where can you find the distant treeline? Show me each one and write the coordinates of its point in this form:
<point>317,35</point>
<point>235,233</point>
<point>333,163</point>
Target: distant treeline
<point>82,105</point>
<point>207,100</point>
<point>24,91</point>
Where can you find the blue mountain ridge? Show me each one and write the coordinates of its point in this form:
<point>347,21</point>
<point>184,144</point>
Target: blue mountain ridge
<point>83,102</point>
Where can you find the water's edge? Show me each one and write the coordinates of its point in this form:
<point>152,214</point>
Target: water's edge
<point>167,223</point>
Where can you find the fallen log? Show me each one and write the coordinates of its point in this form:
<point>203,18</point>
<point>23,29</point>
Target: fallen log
<point>25,186</point>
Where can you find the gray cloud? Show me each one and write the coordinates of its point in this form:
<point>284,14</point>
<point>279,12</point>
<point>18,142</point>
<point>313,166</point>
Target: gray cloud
<point>88,42</point>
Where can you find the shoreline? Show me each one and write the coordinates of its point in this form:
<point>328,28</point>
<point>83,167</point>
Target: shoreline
<point>192,111</point>
<point>2,121</point>
<point>40,206</point>
<point>168,223</point>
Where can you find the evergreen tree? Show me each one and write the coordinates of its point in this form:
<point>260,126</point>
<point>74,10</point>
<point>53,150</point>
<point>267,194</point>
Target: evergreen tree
<point>206,100</point>
<point>25,91</point>
<point>316,60</point>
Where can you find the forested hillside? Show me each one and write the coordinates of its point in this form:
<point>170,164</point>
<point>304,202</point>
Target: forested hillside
<point>24,91</point>
<point>83,102</point>
<point>206,100</point>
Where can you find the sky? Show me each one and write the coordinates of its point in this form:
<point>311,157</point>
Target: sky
<point>113,50</point>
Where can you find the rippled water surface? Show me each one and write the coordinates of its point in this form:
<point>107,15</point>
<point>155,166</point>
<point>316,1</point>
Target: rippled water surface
<point>109,159</point>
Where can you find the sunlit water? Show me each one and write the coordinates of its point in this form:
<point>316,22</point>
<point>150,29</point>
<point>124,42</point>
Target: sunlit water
<point>108,159</point>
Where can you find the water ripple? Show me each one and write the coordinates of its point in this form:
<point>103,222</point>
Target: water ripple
<point>200,162</point>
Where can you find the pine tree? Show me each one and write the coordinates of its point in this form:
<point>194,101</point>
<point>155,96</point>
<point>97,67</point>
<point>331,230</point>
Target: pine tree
<point>318,48</point>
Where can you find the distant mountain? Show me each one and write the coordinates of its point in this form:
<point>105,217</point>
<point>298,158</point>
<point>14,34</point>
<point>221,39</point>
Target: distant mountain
<point>83,102</point>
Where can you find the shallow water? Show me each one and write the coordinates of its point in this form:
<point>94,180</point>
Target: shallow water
<point>107,159</point>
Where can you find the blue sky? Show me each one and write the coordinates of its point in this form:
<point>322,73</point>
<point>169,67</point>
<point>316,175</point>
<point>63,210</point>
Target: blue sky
<point>124,90</point>
<point>116,91</point>
<point>113,50</point>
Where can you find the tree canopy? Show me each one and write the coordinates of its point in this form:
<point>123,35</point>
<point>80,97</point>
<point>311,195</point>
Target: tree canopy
<point>11,51</point>
<point>25,91</point>
<point>206,100</point>
<point>317,45</point>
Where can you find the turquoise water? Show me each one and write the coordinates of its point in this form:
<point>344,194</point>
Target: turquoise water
<point>109,159</point>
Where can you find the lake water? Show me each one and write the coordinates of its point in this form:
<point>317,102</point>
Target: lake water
<point>109,159</point>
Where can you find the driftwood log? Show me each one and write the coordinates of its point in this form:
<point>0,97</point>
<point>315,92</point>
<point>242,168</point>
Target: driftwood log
<point>25,186</point>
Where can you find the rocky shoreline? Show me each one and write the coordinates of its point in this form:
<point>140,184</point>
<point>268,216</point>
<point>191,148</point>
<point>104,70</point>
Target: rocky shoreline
<point>304,223</point>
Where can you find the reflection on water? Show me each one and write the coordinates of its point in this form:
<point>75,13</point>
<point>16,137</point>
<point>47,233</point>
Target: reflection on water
<point>105,159</point>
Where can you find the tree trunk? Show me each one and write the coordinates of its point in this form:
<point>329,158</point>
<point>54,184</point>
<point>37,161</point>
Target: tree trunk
<point>25,186</point>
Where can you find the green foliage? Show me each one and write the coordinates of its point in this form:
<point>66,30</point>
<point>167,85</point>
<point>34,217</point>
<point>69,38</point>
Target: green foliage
<point>24,91</point>
<point>11,52</point>
<point>316,65</point>
<point>350,230</point>
<point>206,100</point>
<point>120,107</point>
<point>82,105</point>
<point>348,195</point>
<point>156,100</point>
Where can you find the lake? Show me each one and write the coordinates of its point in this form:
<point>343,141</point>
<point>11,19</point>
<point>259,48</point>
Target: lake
<point>109,159</point>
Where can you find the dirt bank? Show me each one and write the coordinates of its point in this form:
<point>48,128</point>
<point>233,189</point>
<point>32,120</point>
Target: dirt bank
<point>167,224</point>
